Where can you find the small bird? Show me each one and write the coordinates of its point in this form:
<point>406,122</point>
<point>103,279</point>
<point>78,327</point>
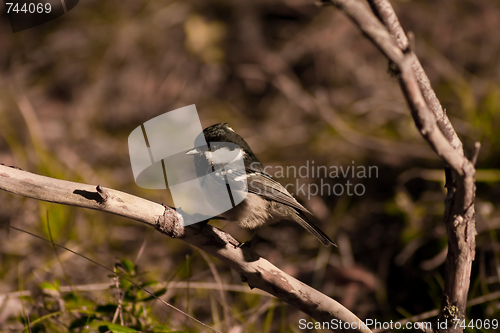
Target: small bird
<point>267,201</point>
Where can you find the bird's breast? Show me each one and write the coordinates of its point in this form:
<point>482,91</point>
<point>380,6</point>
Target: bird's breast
<point>251,213</point>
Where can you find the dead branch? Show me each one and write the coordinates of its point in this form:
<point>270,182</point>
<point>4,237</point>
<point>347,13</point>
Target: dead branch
<point>437,130</point>
<point>254,270</point>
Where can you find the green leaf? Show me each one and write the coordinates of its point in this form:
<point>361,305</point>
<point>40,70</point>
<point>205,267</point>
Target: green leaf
<point>125,283</point>
<point>47,285</point>
<point>157,294</point>
<point>128,265</point>
<point>148,283</point>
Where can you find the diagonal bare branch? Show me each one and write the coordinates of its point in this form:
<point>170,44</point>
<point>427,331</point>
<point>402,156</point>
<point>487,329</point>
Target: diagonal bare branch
<point>254,270</point>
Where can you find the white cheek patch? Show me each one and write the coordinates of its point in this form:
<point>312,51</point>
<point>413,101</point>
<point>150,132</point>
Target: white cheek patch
<point>225,156</point>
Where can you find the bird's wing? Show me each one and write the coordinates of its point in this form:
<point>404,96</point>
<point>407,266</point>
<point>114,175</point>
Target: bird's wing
<point>268,188</point>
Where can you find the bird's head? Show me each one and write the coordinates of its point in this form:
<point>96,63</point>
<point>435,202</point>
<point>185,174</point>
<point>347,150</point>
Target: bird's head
<point>223,145</point>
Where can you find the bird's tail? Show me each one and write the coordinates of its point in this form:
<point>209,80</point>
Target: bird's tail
<point>317,232</point>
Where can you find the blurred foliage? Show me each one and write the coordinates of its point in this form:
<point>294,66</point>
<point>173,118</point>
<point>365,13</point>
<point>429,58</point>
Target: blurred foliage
<point>300,84</point>
<point>57,312</point>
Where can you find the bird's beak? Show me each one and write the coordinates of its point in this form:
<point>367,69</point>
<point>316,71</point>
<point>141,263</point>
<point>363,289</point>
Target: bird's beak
<point>193,151</point>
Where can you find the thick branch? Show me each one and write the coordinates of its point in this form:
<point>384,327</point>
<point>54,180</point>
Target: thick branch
<point>459,214</point>
<point>253,269</point>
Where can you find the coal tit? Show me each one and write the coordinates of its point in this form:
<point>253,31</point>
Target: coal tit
<point>267,201</point>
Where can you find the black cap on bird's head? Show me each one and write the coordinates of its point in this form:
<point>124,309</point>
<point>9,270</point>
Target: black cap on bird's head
<point>214,136</point>
<point>224,133</point>
<point>218,147</point>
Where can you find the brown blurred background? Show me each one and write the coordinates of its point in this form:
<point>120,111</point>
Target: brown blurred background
<point>299,83</point>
